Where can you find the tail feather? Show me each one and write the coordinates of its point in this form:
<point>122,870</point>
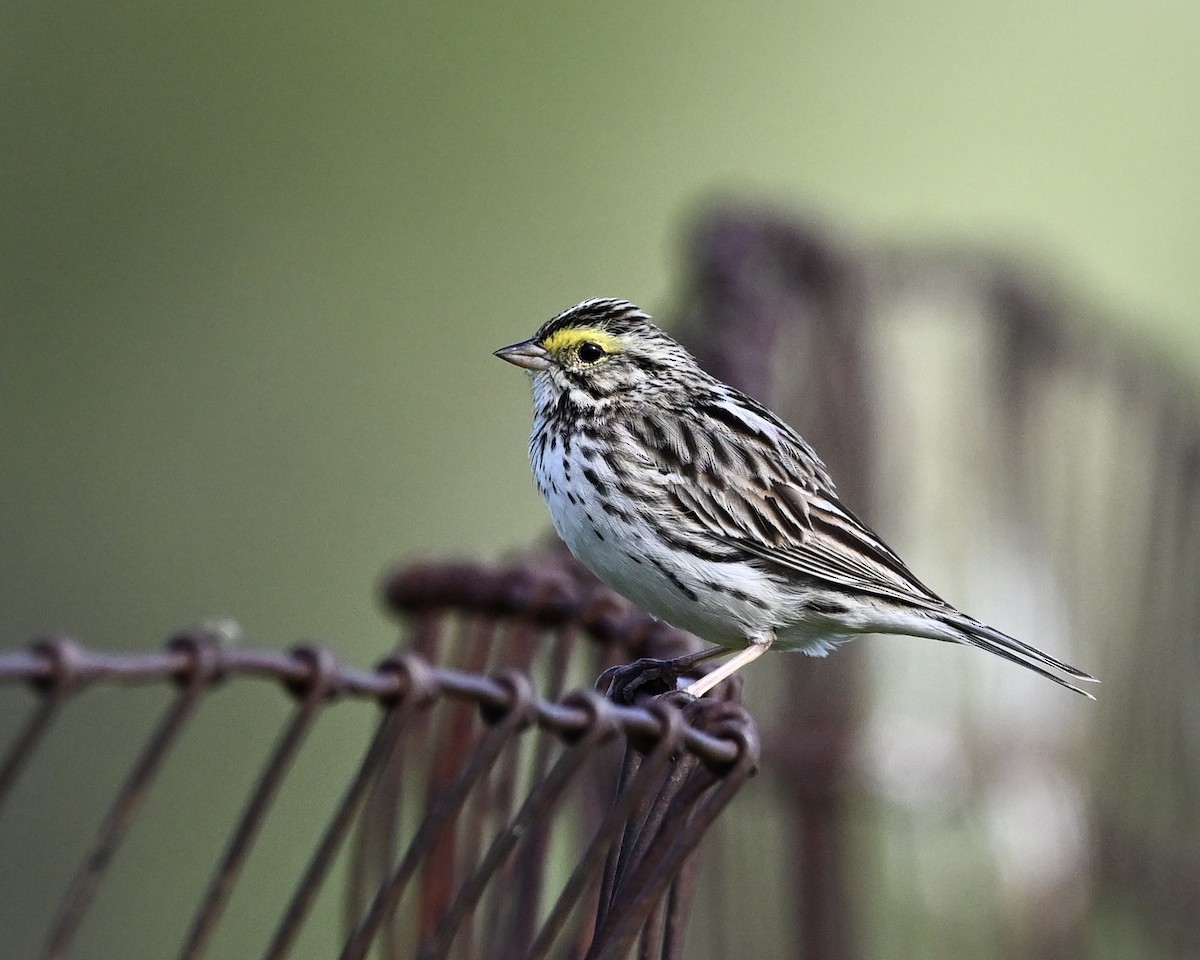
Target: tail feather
<point>1002,645</point>
<point>990,647</point>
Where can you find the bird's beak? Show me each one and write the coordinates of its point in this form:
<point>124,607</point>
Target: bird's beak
<point>528,354</point>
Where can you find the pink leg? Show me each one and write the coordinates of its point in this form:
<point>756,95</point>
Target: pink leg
<point>756,649</point>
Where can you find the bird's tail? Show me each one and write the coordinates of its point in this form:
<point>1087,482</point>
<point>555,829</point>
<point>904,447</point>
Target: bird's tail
<point>987,638</point>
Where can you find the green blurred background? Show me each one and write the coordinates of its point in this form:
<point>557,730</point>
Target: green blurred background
<point>254,259</point>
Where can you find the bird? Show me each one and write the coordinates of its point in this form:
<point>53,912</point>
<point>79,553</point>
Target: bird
<point>702,507</point>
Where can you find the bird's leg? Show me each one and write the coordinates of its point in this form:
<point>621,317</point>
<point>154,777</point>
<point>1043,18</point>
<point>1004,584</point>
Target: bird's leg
<point>755,649</point>
<point>689,660</point>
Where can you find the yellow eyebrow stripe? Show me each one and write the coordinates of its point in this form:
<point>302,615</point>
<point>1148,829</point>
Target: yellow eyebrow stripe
<point>563,340</point>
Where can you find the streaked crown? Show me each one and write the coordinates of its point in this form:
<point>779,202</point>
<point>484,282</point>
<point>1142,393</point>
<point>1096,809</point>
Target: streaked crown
<point>603,350</point>
<point>613,317</point>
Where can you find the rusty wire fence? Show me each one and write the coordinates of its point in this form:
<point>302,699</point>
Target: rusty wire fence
<point>486,818</point>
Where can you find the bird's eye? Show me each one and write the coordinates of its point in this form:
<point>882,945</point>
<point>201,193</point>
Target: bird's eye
<point>590,352</point>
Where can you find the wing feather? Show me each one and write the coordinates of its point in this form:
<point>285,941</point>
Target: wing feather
<point>779,505</point>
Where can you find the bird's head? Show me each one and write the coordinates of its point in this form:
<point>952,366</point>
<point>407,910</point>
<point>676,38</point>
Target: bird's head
<point>597,350</point>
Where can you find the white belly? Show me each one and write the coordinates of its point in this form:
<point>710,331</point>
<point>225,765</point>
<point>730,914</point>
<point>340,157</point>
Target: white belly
<point>723,603</point>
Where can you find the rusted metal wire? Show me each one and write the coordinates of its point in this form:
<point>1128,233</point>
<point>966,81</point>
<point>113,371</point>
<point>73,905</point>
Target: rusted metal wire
<point>489,808</point>
<point>308,710</point>
<point>200,673</point>
<point>563,718</point>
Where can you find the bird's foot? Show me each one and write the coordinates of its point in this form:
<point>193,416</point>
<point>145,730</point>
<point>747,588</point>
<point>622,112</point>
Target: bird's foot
<point>627,683</point>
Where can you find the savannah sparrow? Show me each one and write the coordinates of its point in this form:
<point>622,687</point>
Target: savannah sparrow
<point>705,509</point>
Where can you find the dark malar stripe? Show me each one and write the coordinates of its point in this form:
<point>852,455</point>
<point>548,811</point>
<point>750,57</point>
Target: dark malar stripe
<point>586,383</point>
